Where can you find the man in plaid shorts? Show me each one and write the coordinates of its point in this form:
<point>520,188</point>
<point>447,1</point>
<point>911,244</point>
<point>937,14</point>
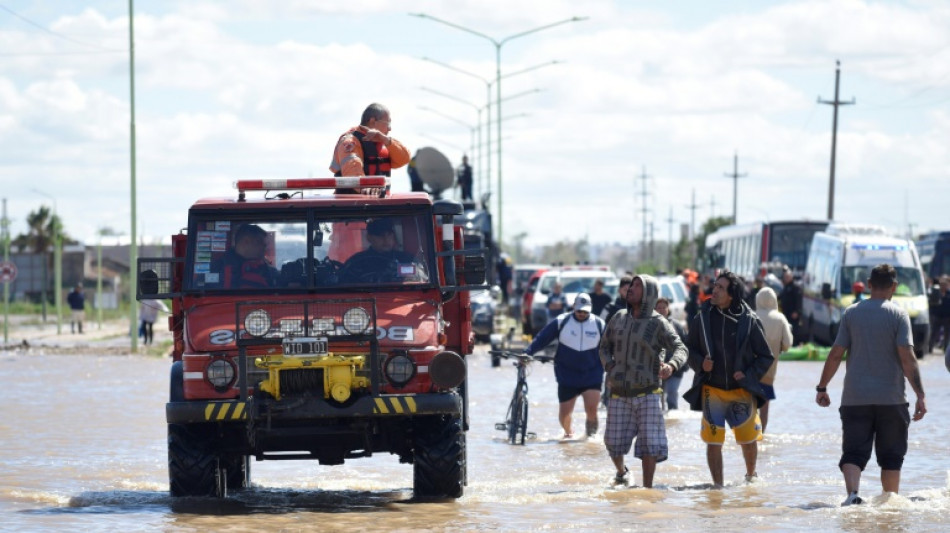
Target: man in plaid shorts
<point>633,350</point>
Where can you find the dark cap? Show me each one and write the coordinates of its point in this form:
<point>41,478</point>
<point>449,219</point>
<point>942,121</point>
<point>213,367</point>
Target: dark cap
<point>248,230</point>
<point>380,226</point>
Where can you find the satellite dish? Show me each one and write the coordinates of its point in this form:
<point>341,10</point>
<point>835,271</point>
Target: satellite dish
<point>434,169</point>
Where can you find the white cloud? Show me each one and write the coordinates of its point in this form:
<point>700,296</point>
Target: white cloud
<point>254,88</point>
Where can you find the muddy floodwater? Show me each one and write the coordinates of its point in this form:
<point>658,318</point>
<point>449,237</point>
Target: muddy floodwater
<point>82,448</point>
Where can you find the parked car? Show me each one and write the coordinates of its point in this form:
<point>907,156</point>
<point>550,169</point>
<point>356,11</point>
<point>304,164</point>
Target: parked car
<point>674,289</point>
<point>573,280</point>
<point>484,303</point>
<point>521,275</point>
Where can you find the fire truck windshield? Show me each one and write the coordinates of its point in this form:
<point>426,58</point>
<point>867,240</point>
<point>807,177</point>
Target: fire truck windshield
<point>242,252</point>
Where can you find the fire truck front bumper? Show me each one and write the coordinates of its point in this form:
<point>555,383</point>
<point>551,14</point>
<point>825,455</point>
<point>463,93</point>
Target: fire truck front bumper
<point>394,405</point>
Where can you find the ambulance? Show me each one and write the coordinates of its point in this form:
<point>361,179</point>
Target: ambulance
<point>846,253</point>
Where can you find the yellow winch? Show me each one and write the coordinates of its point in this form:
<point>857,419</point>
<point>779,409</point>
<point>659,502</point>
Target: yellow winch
<point>299,373</point>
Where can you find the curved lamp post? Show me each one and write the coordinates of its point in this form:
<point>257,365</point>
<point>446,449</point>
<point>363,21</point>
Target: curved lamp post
<point>498,43</point>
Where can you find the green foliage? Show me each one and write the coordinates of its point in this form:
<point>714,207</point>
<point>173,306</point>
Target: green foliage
<point>42,227</point>
<point>710,226</point>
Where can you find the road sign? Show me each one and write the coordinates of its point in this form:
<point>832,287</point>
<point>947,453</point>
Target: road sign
<point>7,271</point>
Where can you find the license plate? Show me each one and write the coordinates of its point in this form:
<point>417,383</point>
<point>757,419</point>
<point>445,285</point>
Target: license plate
<point>305,346</point>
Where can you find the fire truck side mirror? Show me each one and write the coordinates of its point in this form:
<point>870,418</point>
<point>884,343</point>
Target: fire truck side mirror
<point>446,207</point>
<point>474,270</point>
<point>148,282</point>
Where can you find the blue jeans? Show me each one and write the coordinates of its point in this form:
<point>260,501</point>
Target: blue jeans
<point>671,387</point>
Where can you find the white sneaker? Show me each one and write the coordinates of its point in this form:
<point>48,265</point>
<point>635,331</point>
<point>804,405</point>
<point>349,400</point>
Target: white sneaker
<point>852,499</point>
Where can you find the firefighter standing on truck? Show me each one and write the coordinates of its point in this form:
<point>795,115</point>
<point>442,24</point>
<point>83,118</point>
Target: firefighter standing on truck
<point>368,149</point>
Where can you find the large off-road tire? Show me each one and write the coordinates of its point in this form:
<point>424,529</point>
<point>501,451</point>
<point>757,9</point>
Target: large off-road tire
<point>192,467</point>
<point>238,471</point>
<point>439,458</point>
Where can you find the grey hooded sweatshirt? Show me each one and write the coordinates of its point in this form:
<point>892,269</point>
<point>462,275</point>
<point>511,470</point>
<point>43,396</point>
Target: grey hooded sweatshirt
<point>632,349</point>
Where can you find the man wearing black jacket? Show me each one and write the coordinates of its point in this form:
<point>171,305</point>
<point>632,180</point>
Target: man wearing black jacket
<point>790,303</point>
<point>729,354</point>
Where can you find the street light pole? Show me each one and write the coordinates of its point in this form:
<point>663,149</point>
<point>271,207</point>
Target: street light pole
<point>498,44</point>
<point>133,242</point>
<point>486,176</point>
<point>478,111</point>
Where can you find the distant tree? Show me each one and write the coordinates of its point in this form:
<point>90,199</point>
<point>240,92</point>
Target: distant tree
<point>683,255</point>
<point>567,252</point>
<point>709,226</point>
<point>42,225</point>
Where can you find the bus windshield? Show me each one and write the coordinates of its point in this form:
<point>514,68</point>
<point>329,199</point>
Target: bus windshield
<point>790,243</point>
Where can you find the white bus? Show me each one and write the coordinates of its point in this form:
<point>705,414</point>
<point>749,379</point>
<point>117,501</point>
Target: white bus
<point>753,249</point>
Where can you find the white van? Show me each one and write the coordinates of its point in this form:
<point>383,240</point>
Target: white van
<point>846,253</point>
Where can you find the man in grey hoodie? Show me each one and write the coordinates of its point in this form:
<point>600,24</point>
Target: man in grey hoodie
<point>634,351</point>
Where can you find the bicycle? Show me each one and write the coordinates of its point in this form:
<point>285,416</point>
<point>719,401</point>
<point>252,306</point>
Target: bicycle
<point>516,421</point>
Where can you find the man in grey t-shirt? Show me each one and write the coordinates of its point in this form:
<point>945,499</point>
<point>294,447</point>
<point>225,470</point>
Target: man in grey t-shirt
<point>876,335</point>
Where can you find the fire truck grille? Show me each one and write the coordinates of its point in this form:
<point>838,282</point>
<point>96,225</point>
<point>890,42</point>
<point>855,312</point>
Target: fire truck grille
<point>296,381</point>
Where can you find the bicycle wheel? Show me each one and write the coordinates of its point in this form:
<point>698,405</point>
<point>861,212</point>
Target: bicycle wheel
<point>523,419</point>
<point>518,426</point>
<point>511,421</point>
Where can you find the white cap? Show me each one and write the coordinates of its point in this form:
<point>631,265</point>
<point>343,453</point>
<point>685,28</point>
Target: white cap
<point>582,302</point>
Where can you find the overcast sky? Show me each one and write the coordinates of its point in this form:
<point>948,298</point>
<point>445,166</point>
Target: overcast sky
<point>236,89</point>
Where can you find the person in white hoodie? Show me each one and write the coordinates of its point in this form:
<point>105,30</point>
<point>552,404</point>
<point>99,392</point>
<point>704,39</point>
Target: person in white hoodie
<point>778,334</point>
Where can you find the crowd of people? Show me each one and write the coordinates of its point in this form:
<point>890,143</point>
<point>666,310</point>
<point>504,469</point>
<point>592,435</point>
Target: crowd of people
<point>736,332</point>
<point>732,342</point>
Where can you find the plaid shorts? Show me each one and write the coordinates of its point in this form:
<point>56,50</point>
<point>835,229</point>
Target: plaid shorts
<point>641,418</point>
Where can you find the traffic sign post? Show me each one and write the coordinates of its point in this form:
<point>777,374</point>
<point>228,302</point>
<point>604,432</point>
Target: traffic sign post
<point>7,271</point>
<point>7,274</point>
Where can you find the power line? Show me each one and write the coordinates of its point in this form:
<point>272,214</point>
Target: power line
<point>51,32</point>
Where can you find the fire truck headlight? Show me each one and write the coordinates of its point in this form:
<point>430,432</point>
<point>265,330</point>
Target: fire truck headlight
<point>220,373</point>
<point>447,370</point>
<point>399,368</point>
<point>257,323</point>
<point>356,320</point>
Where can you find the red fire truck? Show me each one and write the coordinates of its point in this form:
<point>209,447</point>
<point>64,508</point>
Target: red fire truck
<point>322,319</point>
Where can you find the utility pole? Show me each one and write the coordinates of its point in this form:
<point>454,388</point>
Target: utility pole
<point>693,206</point>
<point>735,185</point>
<point>133,245</point>
<point>644,210</point>
<point>834,138</point>
<point>5,237</point>
<point>669,254</point>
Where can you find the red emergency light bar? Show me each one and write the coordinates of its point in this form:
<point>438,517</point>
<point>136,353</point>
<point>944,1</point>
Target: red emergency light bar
<point>351,182</point>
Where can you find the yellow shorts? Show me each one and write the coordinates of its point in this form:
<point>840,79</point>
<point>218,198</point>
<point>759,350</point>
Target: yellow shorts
<point>736,407</point>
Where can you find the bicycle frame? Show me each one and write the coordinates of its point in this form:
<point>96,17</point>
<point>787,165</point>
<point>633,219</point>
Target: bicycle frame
<point>516,421</point>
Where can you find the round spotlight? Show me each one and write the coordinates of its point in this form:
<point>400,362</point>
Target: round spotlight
<point>257,323</point>
<point>447,370</point>
<point>356,320</point>
<point>399,369</point>
<point>220,373</point>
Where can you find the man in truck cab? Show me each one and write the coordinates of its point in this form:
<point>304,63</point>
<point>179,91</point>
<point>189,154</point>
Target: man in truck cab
<point>245,266</point>
<point>383,261</point>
